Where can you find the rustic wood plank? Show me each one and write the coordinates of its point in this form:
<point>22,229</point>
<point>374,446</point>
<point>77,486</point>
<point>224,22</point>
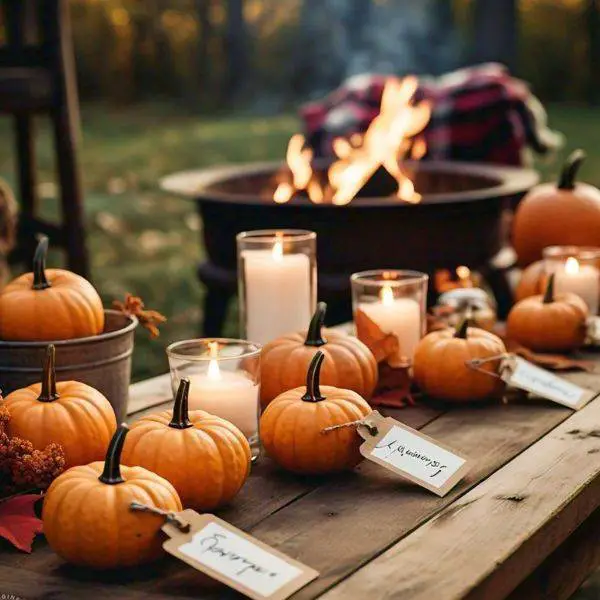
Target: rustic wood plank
<point>149,393</point>
<point>483,546</point>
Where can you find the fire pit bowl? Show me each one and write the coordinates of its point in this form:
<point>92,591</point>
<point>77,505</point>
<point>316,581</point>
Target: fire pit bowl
<point>458,221</point>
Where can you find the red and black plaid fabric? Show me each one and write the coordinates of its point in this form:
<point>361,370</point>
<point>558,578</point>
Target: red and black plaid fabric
<point>479,114</point>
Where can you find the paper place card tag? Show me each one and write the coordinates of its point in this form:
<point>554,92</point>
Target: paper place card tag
<point>522,374</point>
<point>235,558</point>
<point>412,454</point>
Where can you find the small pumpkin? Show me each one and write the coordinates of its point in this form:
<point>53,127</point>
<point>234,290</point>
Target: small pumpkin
<point>87,516</point>
<point>440,364</point>
<point>205,457</point>
<point>70,413</point>
<point>49,304</point>
<point>350,364</point>
<point>564,214</point>
<point>292,426</point>
<point>549,323</point>
<point>533,281</point>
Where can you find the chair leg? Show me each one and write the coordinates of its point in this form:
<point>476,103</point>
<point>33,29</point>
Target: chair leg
<point>216,303</point>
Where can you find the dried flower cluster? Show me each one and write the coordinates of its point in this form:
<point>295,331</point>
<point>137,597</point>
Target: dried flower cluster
<point>150,319</point>
<point>21,466</point>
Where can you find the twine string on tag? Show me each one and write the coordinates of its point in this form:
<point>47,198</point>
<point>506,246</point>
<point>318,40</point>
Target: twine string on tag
<point>475,364</point>
<point>372,429</point>
<point>170,517</point>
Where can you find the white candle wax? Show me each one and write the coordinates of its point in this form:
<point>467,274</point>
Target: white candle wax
<point>231,396</point>
<point>278,293</point>
<point>583,280</point>
<point>400,316</point>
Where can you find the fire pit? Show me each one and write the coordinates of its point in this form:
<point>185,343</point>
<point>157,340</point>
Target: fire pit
<point>457,222</point>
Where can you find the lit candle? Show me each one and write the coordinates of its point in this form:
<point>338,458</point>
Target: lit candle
<point>400,316</point>
<point>278,292</point>
<point>232,396</point>
<point>583,280</point>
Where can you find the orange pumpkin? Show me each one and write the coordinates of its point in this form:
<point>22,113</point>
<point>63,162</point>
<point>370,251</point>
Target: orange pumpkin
<point>292,426</point>
<point>70,413</point>
<point>87,516</point>
<point>564,214</point>
<point>205,457</point>
<point>284,361</point>
<point>441,364</point>
<point>49,304</point>
<point>532,282</point>
<point>549,323</point>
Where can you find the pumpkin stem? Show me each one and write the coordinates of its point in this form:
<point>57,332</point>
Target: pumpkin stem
<point>570,169</point>
<point>49,393</point>
<point>40,281</point>
<point>112,464</point>
<point>549,293</point>
<point>314,336</point>
<point>461,330</point>
<point>180,418</point>
<point>313,392</point>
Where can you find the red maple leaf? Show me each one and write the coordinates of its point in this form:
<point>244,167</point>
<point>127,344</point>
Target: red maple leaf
<point>18,523</point>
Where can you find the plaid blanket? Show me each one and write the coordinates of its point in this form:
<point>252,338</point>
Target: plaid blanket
<point>480,114</point>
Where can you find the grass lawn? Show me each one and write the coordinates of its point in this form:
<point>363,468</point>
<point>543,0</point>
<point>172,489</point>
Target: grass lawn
<point>146,242</point>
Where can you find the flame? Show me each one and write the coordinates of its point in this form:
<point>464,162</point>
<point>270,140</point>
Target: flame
<point>386,295</point>
<point>277,251</point>
<point>391,137</point>
<point>464,275</point>
<point>213,372</point>
<point>572,265</point>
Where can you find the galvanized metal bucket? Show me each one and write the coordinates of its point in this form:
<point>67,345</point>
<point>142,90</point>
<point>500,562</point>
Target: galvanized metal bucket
<point>102,361</point>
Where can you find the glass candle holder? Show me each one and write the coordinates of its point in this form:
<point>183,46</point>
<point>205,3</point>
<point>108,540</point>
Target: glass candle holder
<point>576,269</point>
<point>454,305</point>
<point>395,302</point>
<point>277,279</point>
<point>224,379</point>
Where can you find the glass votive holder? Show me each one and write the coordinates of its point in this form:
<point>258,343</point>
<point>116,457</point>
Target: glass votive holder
<point>224,379</point>
<point>577,270</point>
<point>391,302</point>
<point>277,281</point>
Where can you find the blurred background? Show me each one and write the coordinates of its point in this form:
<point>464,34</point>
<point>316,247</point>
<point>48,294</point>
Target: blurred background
<point>167,85</point>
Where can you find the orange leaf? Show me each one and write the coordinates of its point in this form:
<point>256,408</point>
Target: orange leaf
<point>18,523</point>
<point>382,345</point>
<point>393,389</point>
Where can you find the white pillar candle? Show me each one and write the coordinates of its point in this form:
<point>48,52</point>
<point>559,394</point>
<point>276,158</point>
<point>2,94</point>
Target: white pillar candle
<point>583,280</point>
<point>231,396</point>
<point>278,293</point>
<point>400,316</point>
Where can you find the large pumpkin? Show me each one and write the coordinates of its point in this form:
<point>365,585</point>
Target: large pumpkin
<point>49,304</point>
<point>441,364</point>
<point>87,516</point>
<point>549,323</point>
<point>563,214</point>
<point>70,413</point>
<point>206,458</point>
<point>292,426</point>
<point>349,365</point>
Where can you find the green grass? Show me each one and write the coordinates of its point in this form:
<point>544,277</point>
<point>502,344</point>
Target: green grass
<point>147,242</point>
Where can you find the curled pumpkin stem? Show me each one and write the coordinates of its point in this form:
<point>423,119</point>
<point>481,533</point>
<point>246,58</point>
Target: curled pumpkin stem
<point>134,306</point>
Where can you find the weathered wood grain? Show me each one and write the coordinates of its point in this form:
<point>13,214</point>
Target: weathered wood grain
<point>484,545</point>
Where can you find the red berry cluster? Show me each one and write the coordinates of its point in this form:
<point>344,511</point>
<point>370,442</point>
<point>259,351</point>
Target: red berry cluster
<point>21,466</point>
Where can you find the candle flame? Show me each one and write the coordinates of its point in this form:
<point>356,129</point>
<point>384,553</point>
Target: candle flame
<point>278,246</point>
<point>214,372</point>
<point>464,274</point>
<point>572,265</point>
<point>386,295</point>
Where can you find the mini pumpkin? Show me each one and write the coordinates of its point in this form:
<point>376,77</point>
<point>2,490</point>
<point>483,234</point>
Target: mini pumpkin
<point>350,364</point>
<point>70,413</point>
<point>292,426</point>
<point>205,457</point>
<point>564,214</point>
<point>49,304</point>
<point>441,364</point>
<point>533,281</point>
<point>87,516</point>
<point>549,323</point>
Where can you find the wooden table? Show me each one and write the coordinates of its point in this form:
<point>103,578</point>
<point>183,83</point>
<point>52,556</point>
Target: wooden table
<point>524,524</point>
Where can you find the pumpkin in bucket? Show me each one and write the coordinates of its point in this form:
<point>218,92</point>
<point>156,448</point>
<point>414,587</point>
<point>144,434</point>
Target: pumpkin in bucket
<point>349,365</point>
<point>292,426</point>
<point>49,304</point>
<point>566,214</point>
<point>70,413</point>
<point>441,364</point>
<point>205,457</point>
<point>87,514</point>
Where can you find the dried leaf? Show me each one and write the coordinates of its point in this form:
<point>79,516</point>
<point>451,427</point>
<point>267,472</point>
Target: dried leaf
<point>393,389</point>
<point>554,362</point>
<point>382,345</point>
<point>18,523</point>
<point>134,306</point>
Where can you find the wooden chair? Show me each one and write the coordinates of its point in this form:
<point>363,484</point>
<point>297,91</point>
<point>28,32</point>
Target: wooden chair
<point>37,77</point>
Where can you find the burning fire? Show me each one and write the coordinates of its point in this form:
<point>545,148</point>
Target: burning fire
<point>214,372</point>
<point>391,137</point>
<point>572,265</point>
